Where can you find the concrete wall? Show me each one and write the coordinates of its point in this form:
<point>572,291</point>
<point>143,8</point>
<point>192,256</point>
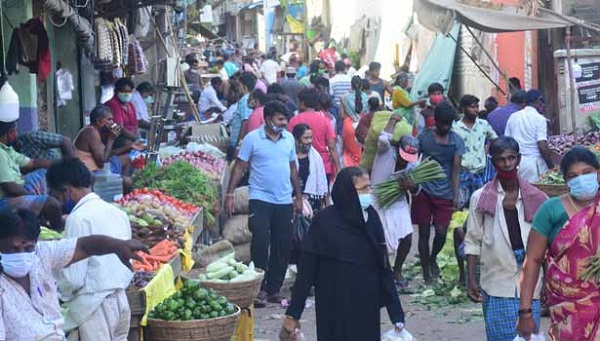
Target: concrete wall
<point>24,83</point>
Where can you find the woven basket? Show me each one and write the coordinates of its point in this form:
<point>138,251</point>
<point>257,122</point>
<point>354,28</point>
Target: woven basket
<point>239,293</point>
<point>217,329</point>
<point>553,190</point>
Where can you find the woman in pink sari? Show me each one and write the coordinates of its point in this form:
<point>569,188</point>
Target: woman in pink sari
<point>568,228</point>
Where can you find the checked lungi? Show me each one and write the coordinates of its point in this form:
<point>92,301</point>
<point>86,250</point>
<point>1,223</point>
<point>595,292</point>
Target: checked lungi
<point>501,313</point>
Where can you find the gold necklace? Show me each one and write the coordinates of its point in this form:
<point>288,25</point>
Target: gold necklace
<point>575,206</point>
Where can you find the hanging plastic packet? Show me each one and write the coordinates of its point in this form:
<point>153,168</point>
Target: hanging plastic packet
<point>534,337</point>
<point>393,335</point>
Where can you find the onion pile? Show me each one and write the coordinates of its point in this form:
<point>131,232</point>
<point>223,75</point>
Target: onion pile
<point>211,165</point>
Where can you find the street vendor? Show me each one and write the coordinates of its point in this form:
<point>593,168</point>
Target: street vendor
<point>123,110</point>
<point>94,151</point>
<point>94,289</point>
<point>27,192</point>
<point>498,228</point>
<point>395,219</point>
<point>29,306</point>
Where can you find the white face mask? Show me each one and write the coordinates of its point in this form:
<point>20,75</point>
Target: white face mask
<point>17,265</point>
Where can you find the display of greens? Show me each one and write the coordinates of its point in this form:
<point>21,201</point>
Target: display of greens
<point>184,182</point>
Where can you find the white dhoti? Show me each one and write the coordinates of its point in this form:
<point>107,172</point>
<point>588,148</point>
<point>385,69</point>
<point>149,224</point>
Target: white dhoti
<point>396,223</point>
<point>110,322</point>
<point>531,167</point>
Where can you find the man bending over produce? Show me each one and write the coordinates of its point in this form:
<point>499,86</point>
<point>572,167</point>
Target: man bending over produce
<point>502,210</point>
<point>94,289</point>
<point>29,191</point>
<point>29,306</point>
<point>271,153</point>
<point>94,144</point>
<point>437,199</point>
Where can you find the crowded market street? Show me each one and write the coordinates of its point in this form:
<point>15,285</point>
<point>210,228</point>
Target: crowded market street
<point>300,170</point>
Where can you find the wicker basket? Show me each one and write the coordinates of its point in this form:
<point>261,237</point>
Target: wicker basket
<point>553,190</point>
<point>217,329</point>
<point>239,293</point>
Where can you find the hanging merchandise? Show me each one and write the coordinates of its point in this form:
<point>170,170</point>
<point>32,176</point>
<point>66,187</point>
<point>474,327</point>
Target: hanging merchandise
<point>104,49</point>
<point>138,64</point>
<point>142,25</point>
<point>9,104</point>
<point>64,86</point>
<point>112,50</point>
<point>29,46</point>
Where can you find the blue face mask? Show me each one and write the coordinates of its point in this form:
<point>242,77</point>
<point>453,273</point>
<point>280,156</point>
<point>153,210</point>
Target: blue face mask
<point>365,200</point>
<point>124,97</point>
<point>69,204</point>
<point>584,187</point>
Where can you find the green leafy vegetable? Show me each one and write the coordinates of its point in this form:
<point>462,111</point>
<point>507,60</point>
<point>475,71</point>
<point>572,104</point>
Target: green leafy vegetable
<point>184,182</point>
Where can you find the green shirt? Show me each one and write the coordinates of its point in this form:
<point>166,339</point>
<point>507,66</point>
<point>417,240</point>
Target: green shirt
<point>474,158</point>
<point>10,164</point>
<point>550,218</point>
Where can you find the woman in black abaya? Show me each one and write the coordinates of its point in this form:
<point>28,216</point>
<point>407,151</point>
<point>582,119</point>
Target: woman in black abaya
<point>345,259</point>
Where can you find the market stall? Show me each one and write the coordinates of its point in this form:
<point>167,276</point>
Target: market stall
<point>552,182</point>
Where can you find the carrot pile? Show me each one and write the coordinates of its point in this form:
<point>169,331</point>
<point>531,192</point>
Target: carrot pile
<point>160,254</point>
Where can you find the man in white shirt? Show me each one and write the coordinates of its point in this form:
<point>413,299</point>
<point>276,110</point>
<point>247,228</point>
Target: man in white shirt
<point>94,289</point>
<point>209,102</point>
<point>500,216</point>
<point>222,71</point>
<point>270,69</point>
<point>141,99</point>
<point>529,128</point>
<point>339,85</point>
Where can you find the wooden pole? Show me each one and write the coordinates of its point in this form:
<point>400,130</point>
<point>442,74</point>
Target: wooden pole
<point>571,82</point>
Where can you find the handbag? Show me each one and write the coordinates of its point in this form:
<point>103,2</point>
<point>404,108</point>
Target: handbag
<point>300,228</point>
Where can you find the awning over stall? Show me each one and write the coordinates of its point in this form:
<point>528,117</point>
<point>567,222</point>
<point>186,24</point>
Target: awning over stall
<point>439,15</point>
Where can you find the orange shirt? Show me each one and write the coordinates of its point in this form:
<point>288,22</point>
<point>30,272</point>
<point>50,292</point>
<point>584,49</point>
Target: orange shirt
<point>352,150</point>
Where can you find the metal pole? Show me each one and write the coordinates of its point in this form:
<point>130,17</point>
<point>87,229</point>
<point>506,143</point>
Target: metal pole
<point>502,74</point>
<point>571,82</point>
<point>477,65</point>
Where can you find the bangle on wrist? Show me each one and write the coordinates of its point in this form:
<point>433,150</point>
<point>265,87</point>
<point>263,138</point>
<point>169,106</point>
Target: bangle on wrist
<point>525,311</point>
<point>229,195</point>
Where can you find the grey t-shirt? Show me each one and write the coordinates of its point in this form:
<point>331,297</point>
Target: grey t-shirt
<point>444,155</point>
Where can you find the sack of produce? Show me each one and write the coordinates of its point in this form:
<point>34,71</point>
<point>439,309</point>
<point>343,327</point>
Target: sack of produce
<point>241,200</point>
<point>208,254</point>
<point>380,120</point>
<point>236,229</point>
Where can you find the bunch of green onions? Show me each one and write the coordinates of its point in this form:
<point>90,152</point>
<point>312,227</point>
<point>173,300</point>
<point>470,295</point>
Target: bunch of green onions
<point>592,270</point>
<point>390,191</point>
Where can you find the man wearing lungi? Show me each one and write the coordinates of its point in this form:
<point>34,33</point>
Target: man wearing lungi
<point>19,183</point>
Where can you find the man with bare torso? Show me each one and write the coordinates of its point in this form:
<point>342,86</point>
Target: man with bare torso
<point>94,145</point>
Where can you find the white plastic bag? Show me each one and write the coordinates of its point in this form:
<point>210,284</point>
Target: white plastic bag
<point>534,337</point>
<point>392,335</point>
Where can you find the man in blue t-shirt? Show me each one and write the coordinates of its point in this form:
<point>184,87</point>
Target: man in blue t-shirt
<point>271,153</point>
<point>438,199</point>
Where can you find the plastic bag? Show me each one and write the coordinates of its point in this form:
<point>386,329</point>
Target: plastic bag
<point>301,226</point>
<point>393,335</point>
<point>534,337</point>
